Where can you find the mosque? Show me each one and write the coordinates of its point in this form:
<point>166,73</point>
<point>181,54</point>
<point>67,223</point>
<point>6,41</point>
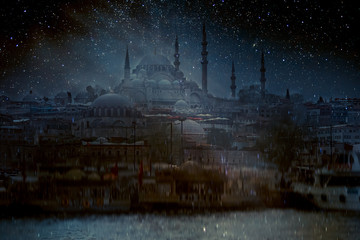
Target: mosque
<point>157,84</point>
<point>157,88</point>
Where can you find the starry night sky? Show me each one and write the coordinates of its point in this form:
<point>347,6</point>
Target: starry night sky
<point>311,47</point>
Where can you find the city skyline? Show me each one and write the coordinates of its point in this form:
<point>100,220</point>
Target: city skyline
<point>68,46</point>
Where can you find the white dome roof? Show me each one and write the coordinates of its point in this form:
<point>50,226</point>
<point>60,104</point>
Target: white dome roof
<point>190,127</point>
<point>111,100</point>
<point>193,132</point>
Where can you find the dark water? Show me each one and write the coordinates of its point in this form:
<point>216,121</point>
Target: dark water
<point>264,224</point>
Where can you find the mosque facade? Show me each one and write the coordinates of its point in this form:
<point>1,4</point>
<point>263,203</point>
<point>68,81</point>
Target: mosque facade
<point>156,83</point>
<point>156,87</point>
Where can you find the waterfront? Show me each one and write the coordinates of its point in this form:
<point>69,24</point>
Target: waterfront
<point>255,224</point>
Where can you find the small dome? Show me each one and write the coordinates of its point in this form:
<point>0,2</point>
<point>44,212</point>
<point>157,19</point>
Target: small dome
<point>164,83</point>
<point>154,60</point>
<point>137,83</point>
<point>189,127</point>
<point>192,131</point>
<point>181,104</point>
<point>111,100</point>
<point>192,127</point>
<point>151,83</point>
<point>176,82</point>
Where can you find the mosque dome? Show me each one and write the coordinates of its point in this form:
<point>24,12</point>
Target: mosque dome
<point>192,127</point>
<point>181,104</point>
<point>111,100</point>
<point>164,83</point>
<point>176,83</point>
<point>154,59</point>
<point>151,83</point>
<point>137,83</point>
<point>192,131</point>
<point>193,85</point>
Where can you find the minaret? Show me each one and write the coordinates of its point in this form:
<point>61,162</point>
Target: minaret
<point>127,66</point>
<point>204,61</point>
<point>262,78</point>
<point>233,78</point>
<point>287,94</point>
<point>176,55</point>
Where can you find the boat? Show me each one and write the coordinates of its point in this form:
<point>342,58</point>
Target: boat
<point>335,186</point>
